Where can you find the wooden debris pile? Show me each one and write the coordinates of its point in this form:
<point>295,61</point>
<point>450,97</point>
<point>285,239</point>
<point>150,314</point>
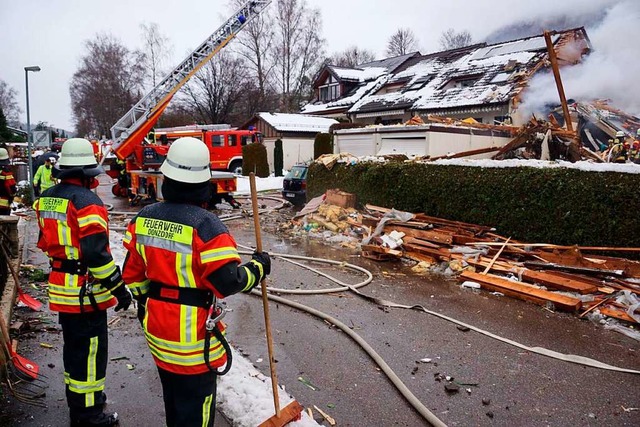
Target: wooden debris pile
<point>540,139</point>
<point>567,278</point>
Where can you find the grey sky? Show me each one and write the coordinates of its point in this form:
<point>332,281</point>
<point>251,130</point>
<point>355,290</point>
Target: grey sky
<point>51,33</point>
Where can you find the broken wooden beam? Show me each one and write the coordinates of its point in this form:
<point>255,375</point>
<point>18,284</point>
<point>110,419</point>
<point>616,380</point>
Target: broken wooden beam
<point>522,291</point>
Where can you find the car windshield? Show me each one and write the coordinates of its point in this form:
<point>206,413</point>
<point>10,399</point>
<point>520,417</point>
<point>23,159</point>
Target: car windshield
<point>297,172</point>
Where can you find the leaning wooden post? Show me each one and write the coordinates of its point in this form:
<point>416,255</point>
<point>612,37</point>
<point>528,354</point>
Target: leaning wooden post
<point>556,73</point>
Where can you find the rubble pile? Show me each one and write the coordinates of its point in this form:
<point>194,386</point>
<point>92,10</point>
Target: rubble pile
<point>568,278</point>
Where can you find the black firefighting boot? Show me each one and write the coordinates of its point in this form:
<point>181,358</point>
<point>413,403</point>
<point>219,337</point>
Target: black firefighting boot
<point>100,420</point>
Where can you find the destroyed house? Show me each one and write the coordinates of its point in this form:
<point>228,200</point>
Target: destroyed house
<point>485,82</point>
<point>337,89</point>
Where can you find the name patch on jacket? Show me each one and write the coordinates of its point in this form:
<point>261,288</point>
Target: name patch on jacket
<point>164,230</point>
<point>54,204</point>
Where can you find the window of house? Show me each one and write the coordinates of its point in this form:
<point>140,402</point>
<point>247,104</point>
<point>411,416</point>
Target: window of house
<point>390,88</point>
<point>330,91</point>
<point>418,84</point>
<point>217,140</point>
<point>461,82</point>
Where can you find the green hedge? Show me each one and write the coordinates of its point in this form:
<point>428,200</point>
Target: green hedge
<point>550,205</point>
<point>254,159</point>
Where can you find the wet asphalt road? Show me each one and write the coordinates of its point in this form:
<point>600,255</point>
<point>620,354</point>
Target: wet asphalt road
<point>518,388</point>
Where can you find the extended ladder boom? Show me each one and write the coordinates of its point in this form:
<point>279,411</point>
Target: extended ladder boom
<point>137,122</point>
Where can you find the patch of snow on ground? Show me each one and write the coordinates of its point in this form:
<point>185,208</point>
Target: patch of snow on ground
<point>245,396</point>
<point>118,252</point>
<point>262,184</point>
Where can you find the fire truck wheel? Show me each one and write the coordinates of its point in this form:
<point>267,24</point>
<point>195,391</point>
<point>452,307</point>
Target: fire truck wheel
<point>236,167</point>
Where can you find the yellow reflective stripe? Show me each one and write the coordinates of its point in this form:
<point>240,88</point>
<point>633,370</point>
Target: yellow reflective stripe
<point>83,386</point>
<point>71,281</point>
<point>92,219</point>
<point>189,315</point>
<point>141,251</point>
<point>71,252</point>
<point>71,296</point>
<point>4,203</point>
<point>166,230</point>
<point>3,177</point>
<point>127,237</point>
<point>53,204</point>
<point>218,254</point>
<point>183,360</point>
<point>206,410</point>
<point>251,279</point>
<point>139,288</point>
<point>103,271</point>
<point>91,369</point>
<point>178,347</point>
<point>75,290</point>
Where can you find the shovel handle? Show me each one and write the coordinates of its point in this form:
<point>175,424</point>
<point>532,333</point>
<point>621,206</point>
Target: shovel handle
<point>265,299</point>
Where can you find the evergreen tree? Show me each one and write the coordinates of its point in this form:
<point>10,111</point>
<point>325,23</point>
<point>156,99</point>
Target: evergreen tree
<point>5,134</point>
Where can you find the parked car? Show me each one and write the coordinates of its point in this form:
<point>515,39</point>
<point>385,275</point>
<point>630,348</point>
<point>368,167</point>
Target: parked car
<point>294,185</point>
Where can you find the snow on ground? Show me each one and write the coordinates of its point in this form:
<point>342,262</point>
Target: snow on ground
<point>262,184</point>
<point>513,163</point>
<point>244,394</point>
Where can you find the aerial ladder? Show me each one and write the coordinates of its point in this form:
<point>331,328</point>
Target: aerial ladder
<point>128,135</point>
<point>134,126</point>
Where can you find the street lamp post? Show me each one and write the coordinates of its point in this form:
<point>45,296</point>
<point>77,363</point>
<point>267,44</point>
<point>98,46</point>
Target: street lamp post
<point>35,69</point>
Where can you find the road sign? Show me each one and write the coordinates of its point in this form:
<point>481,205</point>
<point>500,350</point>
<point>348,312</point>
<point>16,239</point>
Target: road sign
<point>41,138</point>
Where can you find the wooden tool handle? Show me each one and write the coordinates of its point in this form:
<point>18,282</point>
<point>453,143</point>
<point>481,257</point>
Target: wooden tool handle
<point>265,300</point>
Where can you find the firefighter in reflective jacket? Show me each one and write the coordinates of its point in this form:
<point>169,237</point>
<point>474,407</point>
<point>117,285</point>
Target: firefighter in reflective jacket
<point>181,259</point>
<point>7,183</point>
<point>84,278</point>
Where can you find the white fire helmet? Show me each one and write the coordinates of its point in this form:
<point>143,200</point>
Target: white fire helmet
<point>187,161</point>
<point>77,152</point>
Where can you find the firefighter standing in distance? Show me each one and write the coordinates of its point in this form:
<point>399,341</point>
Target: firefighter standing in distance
<point>7,183</point>
<point>181,260</point>
<point>84,279</point>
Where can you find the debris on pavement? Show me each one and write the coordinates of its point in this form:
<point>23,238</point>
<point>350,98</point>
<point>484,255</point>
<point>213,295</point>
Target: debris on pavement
<point>568,278</point>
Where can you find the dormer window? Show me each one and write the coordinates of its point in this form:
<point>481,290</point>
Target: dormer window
<point>330,91</point>
<point>418,84</point>
<point>461,82</point>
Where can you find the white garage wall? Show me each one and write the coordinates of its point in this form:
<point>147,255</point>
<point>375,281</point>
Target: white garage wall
<point>296,150</point>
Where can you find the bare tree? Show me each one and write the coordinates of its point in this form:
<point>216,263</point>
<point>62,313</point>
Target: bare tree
<point>8,103</point>
<point>298,49</point>
<point>255,44</point>
<point>107,83</point>
<point>451,39</point>
<point>215,93</point>
<point>402,42</point>
<point>352,57</point>
<point>156,49</point>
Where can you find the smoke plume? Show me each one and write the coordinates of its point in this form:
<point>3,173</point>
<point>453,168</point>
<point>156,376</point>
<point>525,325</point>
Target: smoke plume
<point>611,71</point>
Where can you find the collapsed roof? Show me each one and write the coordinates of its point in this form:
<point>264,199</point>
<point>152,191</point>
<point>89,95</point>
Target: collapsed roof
<point>471,76</point>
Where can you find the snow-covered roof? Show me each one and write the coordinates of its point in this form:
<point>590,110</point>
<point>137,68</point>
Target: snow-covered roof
<point>495,74</point>
<point>283,122</point>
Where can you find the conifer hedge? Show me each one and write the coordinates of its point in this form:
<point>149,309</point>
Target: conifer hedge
<point>254,159</point>
<point>551,205</point>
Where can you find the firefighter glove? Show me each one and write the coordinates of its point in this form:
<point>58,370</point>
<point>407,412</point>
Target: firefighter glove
<point>264,259</point>
<point>123,296</point>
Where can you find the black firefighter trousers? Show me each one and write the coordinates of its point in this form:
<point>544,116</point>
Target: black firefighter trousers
<point>84,355</point>
<point>189,400</point>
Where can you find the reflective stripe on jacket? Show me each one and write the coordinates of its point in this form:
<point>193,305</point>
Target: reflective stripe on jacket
<point>181,246</point>
<point>73,226</point>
